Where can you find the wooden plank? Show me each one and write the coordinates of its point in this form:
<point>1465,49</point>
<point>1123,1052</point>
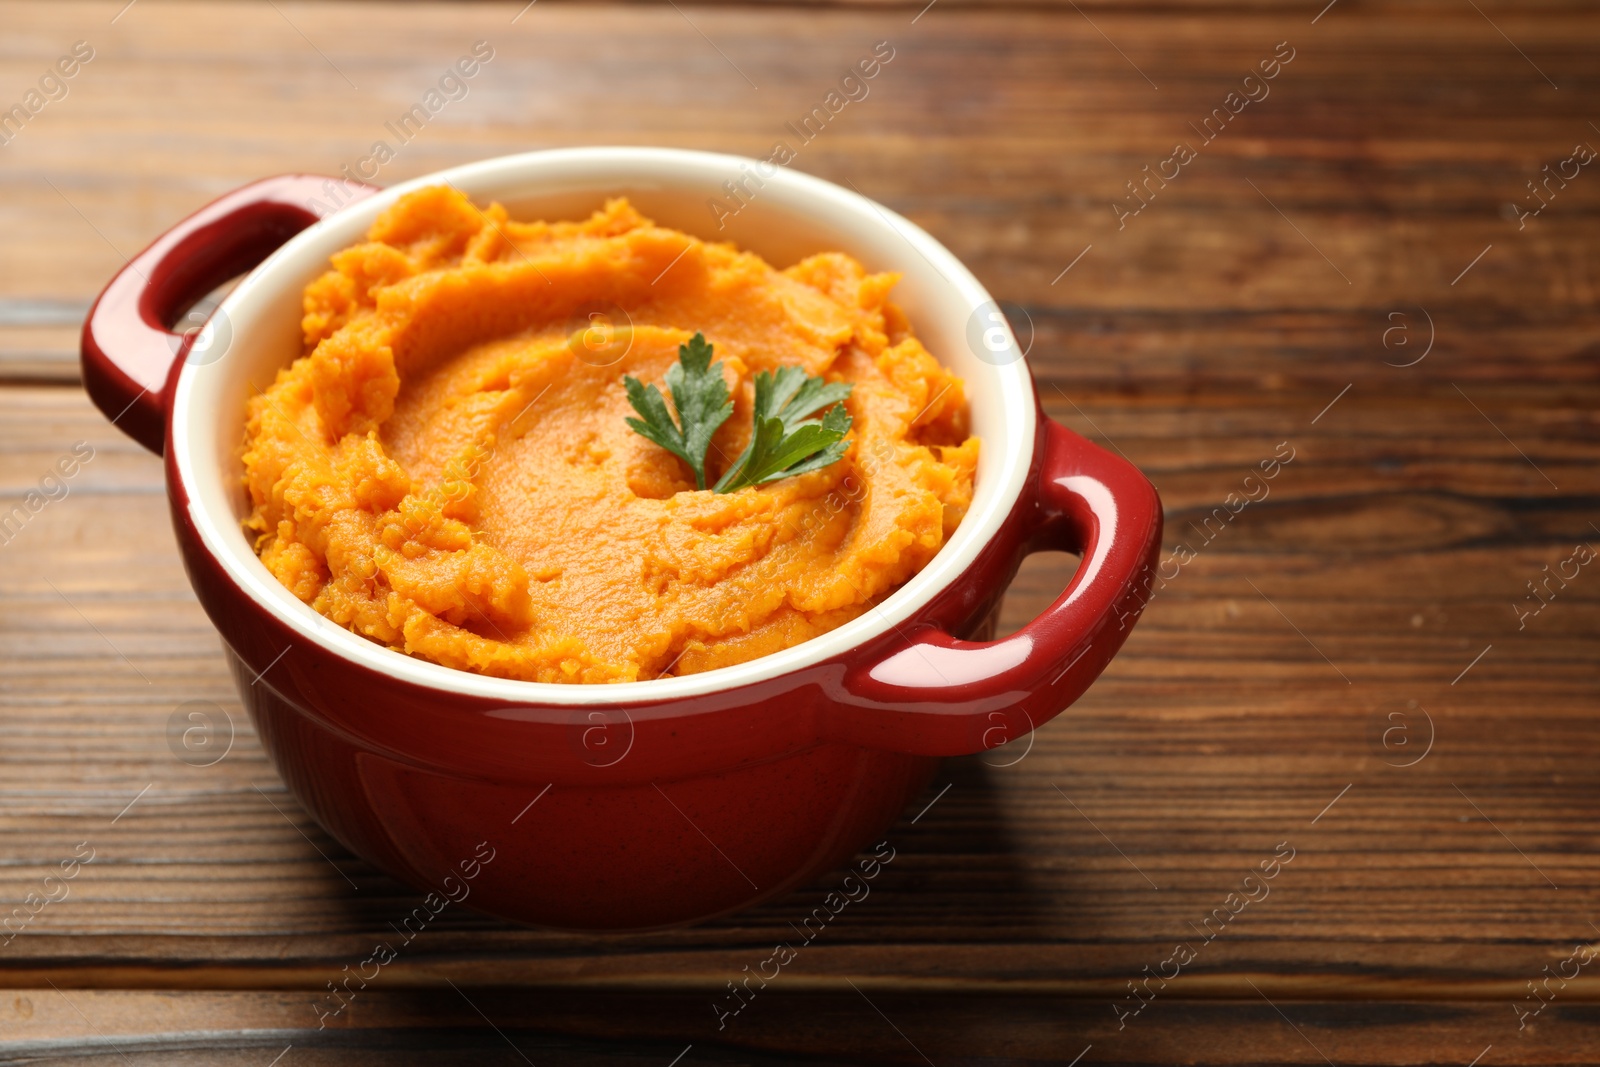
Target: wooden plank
<point>50,1026</point>
<point>1017,172</point>
<point>39,339</point>
<point>1066,122</point>
<point>866,1026</point>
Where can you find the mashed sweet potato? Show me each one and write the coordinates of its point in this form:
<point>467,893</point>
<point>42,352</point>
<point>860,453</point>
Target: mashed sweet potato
<point>448,468</point>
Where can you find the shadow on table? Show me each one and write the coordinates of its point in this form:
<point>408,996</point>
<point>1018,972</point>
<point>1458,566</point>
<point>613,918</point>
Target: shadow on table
<point>956,875</point>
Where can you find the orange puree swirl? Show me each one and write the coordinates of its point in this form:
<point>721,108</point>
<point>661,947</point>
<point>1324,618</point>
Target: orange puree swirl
<point>448,471</point>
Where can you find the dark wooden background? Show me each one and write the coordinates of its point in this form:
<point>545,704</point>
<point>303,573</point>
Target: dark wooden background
<point>1359,619</point>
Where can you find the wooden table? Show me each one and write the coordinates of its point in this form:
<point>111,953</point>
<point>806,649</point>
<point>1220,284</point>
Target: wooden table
<point>1347,669</point>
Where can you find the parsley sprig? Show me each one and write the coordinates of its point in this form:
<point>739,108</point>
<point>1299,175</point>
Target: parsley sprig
<point>785,438</point>
<point>699,394</point>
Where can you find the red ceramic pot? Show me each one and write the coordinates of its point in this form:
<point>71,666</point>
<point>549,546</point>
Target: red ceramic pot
<point>650,803</point>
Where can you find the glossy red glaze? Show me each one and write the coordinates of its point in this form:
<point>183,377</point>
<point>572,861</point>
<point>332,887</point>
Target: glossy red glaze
<point>638,814</point>
<point>127,349</point>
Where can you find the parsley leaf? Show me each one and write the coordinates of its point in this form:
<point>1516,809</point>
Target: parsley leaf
<point>699,394</point>
<point>785,439</point>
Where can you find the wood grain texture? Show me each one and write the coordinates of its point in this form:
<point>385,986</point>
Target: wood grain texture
<point>1315,643</point>
<point>446,1026</point>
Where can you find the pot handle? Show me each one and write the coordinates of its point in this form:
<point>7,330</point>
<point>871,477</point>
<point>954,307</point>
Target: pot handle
<point>128,349</point>
<point>931,694</point>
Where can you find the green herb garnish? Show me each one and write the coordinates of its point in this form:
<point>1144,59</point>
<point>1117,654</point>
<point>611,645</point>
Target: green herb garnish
<point>784,440</point>
<point>699,394</point>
